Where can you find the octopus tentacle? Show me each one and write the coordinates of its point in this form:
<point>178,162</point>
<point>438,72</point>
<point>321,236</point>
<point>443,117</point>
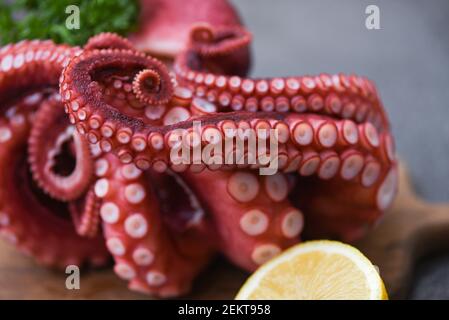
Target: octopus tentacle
<point>33,222</point>
<point>210,41</point>
<point>50,133</point>
<point>29,72</point>
<point>343,96</point>
<point>348,213</point>
<point>155,256</point>
<point>112,120</point>
<point>85,214</point>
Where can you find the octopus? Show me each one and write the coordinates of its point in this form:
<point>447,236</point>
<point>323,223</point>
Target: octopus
<point>95,138</point>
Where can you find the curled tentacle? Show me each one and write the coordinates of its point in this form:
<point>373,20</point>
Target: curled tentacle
<point>164,25</point>
<point>211,41</point>
<point>104,80</point>
<point>102,104</point>
<point>332,138</point>
<point>345,211</point>
<point>52,137</point>
<point>150,88</point>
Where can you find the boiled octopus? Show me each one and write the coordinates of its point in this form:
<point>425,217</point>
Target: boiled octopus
<point>163,218</point>
<point>97,165</point>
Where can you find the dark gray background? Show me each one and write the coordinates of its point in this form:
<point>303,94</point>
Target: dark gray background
<point>408,59</point>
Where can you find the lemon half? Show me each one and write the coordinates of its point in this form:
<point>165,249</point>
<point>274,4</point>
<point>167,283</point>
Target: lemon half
<point>316,270</point>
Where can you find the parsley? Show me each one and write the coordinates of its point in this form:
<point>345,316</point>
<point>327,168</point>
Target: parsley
<point>46,19</point>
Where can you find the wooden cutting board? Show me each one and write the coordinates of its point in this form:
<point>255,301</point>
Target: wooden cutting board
<point>410,230</point>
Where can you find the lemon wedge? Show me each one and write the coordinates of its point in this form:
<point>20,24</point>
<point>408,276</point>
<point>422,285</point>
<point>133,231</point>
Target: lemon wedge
<point>316,270</point>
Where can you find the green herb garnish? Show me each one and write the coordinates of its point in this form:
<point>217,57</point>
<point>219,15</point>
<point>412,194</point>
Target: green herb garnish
<point>46,19</point>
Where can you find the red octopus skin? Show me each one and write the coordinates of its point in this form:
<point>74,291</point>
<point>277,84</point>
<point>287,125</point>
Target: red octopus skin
<point>164,24</point>
<point>33,217</point>
<point>337,159</point>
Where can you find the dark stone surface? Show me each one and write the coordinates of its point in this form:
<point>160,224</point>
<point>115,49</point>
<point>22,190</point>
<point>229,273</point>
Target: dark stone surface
<point>432,279</point>
<point>408,59</point>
